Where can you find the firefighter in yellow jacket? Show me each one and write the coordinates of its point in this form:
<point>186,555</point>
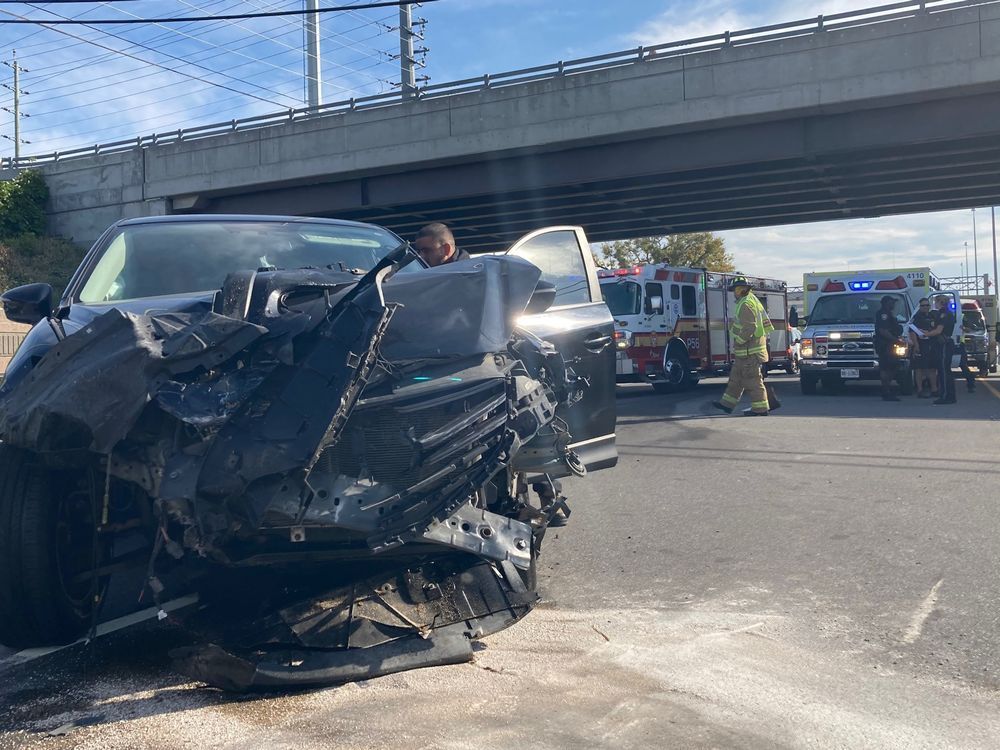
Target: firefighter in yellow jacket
<point>748,331</point>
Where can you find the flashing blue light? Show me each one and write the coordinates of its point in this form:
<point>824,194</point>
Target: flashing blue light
<point>860,286</point>
<point>421,378</point>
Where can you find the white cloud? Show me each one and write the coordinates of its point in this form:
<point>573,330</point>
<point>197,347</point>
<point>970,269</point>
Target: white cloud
<point>683,20</point>
<point>934,240</point>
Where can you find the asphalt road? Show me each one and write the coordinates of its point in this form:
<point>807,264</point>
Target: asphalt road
<point>822,578</point>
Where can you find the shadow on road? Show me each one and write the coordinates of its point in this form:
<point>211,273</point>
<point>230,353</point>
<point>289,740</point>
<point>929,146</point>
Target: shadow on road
<point>638,404</point>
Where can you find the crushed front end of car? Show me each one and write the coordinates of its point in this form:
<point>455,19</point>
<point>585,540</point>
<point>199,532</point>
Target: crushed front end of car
<point>385,429</point>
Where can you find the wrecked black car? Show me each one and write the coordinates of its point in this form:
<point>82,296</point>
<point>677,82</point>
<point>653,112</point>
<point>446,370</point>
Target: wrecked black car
<point>217,393</point>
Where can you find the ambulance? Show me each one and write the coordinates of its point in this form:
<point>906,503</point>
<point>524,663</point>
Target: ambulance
<point>672,324</point>
<point>838,342</point>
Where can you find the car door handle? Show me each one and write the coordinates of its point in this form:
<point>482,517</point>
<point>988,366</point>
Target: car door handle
<point>597,343</point>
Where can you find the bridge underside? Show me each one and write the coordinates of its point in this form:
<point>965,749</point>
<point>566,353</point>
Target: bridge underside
<point>908,158</point>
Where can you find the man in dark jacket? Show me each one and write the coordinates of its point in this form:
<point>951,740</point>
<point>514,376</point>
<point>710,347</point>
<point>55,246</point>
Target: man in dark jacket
<point>436,245</point>
<point>944,347</point>
<point>887,333</point>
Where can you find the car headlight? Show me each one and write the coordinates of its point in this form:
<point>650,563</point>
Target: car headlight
<point>899,350</point>
<point>806,348</point>
<point>623,340</point>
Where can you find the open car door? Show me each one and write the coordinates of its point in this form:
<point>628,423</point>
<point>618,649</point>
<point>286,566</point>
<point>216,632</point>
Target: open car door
<point>581,327</point>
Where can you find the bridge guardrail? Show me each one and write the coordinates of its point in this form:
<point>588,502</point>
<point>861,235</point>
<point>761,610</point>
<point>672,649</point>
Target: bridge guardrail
<point>633,56</point>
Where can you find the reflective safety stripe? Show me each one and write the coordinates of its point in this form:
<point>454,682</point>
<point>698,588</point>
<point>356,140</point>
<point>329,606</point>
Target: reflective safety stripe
<point>761,327</point>
<point>758,404</point>
<point>727,399</point>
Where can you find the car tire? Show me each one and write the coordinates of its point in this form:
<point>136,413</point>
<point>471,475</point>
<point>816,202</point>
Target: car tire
<point>676,371</point>
<point>792,368</point>
<point>808,384</point>
<point>43,515</point>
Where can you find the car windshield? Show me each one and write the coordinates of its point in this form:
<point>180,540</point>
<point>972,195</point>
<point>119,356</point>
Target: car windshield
<point>973,320</point>
<point>156,259</point>
<point>622,297</point>
<point>853,308</point>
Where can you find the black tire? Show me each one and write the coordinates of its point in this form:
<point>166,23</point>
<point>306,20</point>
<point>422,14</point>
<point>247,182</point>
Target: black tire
<point>792,368</point>
<point>808,384</point>
<point>44,541</point>
<point>676,371</point>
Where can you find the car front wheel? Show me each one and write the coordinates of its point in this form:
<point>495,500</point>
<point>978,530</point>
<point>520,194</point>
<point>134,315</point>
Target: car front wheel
<point>48,550</point>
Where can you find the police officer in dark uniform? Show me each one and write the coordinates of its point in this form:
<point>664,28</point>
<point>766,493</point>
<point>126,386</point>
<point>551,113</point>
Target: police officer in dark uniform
<point>944,348</point>
<point>887,333</point>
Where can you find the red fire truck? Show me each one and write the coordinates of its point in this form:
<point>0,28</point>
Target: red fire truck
<point>672,324</point>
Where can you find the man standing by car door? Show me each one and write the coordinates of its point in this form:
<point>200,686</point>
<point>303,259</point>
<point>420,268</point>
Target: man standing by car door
<point>749,331</point>
<point>436,245</point>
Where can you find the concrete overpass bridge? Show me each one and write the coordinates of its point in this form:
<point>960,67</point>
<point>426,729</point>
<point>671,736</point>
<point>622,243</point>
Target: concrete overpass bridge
<point>886,111</point>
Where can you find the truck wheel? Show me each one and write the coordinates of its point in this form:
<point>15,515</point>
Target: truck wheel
<point>47,545</point>
<point>676,372</point>
<point>792,368</point>
<point>808,384</point>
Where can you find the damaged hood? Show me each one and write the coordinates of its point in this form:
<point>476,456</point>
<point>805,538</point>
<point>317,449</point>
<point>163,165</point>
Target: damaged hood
<point>262,385</point>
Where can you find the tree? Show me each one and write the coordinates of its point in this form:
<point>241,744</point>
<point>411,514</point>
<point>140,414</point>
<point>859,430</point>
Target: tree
<point>696,250</point>
<point>27,259</point>
<point>22,204</point>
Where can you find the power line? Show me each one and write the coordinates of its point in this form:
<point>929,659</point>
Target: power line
<point>158,65</point>
<point>230,17</point>
<point>181,60</point>
<point>116,84</point>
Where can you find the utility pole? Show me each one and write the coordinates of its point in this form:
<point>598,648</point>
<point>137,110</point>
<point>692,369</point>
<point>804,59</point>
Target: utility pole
<point>408,62</point>
<point>314,82</point>
<point>16,111</point>
<point>966,259</point>
<point>975,248</point>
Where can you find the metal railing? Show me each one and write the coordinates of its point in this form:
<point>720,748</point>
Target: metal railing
<point>633,56</point>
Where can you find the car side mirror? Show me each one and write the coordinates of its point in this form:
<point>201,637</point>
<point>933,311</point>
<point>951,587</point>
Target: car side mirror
<point>542,298</point>
<point>27,304</point>
<point>654,305</point>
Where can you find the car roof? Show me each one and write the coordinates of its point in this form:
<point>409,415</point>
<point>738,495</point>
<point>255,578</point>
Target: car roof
<point>193,218</point>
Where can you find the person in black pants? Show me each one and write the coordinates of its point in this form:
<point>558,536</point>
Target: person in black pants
<point>970,378</point>
<point>944,348</point>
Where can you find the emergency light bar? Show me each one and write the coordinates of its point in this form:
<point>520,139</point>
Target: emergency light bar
<point>860,286</point>
<point>608,274</point>
<point>897,283</point>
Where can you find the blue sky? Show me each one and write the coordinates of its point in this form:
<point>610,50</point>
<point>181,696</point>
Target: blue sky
<point>99,84</point>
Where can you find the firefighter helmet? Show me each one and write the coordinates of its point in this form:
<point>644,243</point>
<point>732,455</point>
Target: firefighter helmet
<point>738,281</point>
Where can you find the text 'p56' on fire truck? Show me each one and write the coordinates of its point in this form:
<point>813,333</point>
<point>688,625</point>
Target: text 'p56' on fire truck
<point>672,324</point>
<point>838,343</point>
